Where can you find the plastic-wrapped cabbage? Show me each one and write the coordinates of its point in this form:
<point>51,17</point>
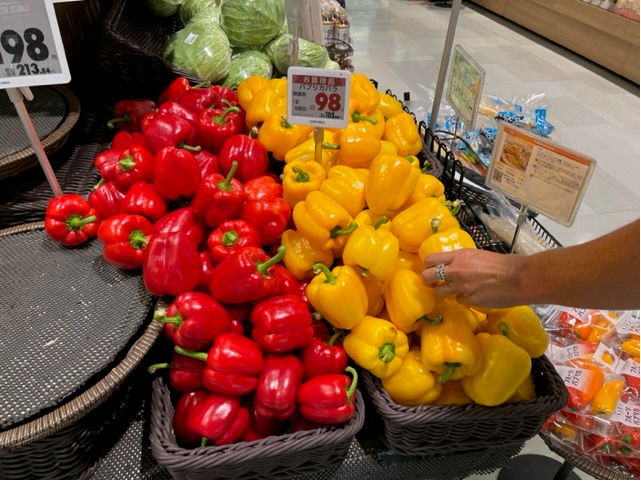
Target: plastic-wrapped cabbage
<point>192,9</point>
<point>309,53</point>
<point>202,49</point>
<point>252,23</point>
<point>332,65</point>
<point>163,8</point>
<point>245,65</point>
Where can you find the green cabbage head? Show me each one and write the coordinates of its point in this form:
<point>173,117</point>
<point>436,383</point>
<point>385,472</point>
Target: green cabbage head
<point>246,64</point>
<point>252,23</point>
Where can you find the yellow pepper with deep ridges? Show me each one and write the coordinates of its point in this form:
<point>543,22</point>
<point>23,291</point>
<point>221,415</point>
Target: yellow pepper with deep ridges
<point>449,348</point>
<point>363,95</point>
<point>372,249</point>
<point>357,148</point>
<point>307,151</point>
<point>408,301</point>
<point>248,87</point>
<point>521,326</point>
<point>389,106</point>
<point>452,394</point>
<point>300,177</point>
<point>401,130</point>
<point>279,136</point>
<point>392,179</point>
<point>322,220</point>
<point>375,299</point>
<point>412,384</point>
<point>346,186</point>
<point>373,123</point>
<point>300,255</point>
<point>376,345</point>
<point>504,367</point>
<point>427,186</point>
<point>338,295</point>
<point>265,103</point>
<point>450,240</point>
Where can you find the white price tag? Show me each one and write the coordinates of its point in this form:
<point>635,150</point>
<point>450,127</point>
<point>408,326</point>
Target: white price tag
<point>31,49</point>
<point>318,97</point>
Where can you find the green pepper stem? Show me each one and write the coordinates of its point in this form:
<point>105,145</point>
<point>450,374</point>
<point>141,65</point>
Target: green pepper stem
<point>203,442</point>
<point>76,221</point>
<point>229,238</point>
<point>253,132</point>
<point>193,148</point>
<point>504,329</point>
<point>263,266</point>
<point>226,184</point>
<point>161,316</point>
<point>161,365</point>
<point>225,102</point>
<point>387,352</point>
<point>201,84</point>
<point>357,117</point>
<point>320,267</point>
<point>301,175</point>
<point>335,336</point>
<point>285,124</point>
<point>432,322</point>
<point>220,119</point>
<point>138,239</point>
<point>202,356</point>
<point>379,222</point>
<point>127,163</point>
<point>336,231</point>
<point>435,223</point>
<point>443,378</point>
<point>100,182</point>
<point>317,315</point>
<point>328,146</point>
<point>125,119</point>
<point>352,387</point>
<point>456,206</point>
<point>411,158</point>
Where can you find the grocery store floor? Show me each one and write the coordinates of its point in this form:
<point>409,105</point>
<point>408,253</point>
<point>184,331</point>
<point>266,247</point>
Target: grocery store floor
<point>400,43</point>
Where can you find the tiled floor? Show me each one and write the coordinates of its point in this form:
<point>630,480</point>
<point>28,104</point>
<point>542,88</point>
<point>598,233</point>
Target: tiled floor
<point>400,43</point>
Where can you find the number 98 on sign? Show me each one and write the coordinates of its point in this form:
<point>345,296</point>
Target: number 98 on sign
<point>318,97</point>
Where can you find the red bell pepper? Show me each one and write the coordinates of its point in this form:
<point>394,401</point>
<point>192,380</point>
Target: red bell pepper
<point>218,199</point>
<point>176,173</point>
<point>225,94</point>
<point>282,324</point>
<point>174,108</point>
<point>230,236</point>
<point>219,418</point>
<point>197,317</point>
<point>184,220</point>
<point>166,130</point>
<point>171,265</point>
<point>144,199</point>
<point>321,329</point>
<point>125,237</point>
<point>174,90</point>
<point>278,384</point>
<point>129,114</point>
<point>264,187</point>
<point>239,314</point>
<point>233,364</point>
<point>215,126</point>
<point>324,357</point>
<point>250,154</point>
<point>197,99</point>
<point>185,408</point>
<point>245,276</point>
<point>106,161</point>
<point>133,165</point>
<point>106,198</point>
<point>329,399</point>
<point>207,265</point>
<point>123,140</point>
<point>236,431</point>
<point>260,427</point>
<point>185,372</point>
<point>207,162</point>
<point>265,208</point>
<point>70,220</point>
<point>286,282</point>
<point>299,422</point>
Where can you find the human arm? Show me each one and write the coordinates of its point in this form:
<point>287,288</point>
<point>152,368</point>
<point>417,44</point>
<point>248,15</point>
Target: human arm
<point>602,274</point>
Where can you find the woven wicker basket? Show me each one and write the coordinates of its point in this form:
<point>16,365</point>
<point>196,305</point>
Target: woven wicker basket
<point>429,430</point>
<point>275,457</point>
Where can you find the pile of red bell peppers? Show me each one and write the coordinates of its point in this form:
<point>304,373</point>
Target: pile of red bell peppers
<point>186,196</point>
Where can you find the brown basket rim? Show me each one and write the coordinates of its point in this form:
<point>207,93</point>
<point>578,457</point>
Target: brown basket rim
<point>76,408</point>
<point>26,158</point>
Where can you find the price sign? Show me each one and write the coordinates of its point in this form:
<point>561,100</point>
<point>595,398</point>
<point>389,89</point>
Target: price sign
<point>318,97</point>
<point>31,50</point>
<point>465,86</point>
<point>539,173</point>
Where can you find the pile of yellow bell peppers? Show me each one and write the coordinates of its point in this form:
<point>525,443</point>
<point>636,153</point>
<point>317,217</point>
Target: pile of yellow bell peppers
<point>365,217</point>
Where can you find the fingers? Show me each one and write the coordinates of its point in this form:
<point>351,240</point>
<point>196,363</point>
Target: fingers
<point>434,275</point>
<point>438,258</point>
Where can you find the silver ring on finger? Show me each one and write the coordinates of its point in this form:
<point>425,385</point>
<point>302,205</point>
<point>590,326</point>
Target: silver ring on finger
<point>440,273</point>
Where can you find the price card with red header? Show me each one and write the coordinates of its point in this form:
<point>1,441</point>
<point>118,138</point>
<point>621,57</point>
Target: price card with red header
<point>539,173</point>
<point>318,97</point>
<point>31,49</point>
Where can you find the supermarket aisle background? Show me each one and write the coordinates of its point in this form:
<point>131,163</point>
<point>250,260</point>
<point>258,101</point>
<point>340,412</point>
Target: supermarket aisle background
<point>399,43</point>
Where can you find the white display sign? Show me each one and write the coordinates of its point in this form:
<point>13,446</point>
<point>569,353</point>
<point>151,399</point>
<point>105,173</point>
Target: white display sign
<point>31,49</point>
<point>318,97</point>
<point>534,171</point>
<point>465,86</point>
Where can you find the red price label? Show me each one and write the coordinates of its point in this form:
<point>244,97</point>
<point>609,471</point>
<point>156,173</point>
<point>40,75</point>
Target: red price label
<point>332,102</point>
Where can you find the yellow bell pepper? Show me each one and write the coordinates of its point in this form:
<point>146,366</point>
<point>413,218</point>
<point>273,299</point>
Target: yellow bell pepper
<point>450,307</point>
<point>300,177</point>
<point>248,88</point>
<point>409,260</point>
<point>300,255</point>
<point>389,106</point>
<point>388,148</point>
<point>375,300</point>
<point>373,123</point>
<point>376,345</point>
<point>412,384</point>
<point>450,240</point>
<point>279,136</point>
<point>408,301</point>
<point>265,103</point>
<point>391,181</point>
<point>338,295</point>
<point>279,85</point>
<point>525,392</point>
<point>363,95</point>
<point>449,348</point>
<point>306,150</point>
<point>504,367</point>
<point>452,394</point>
<point>401,130</point>
<point>357,148</point>
<point>631,346</point>
<point>321,220</point>
<point>346,186</point>
<point>366,217</point>
<point>372,249</point>
<point>420,221</point>
<point>427,186</point>
<point>607,396</point>
<point>521,326</point>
